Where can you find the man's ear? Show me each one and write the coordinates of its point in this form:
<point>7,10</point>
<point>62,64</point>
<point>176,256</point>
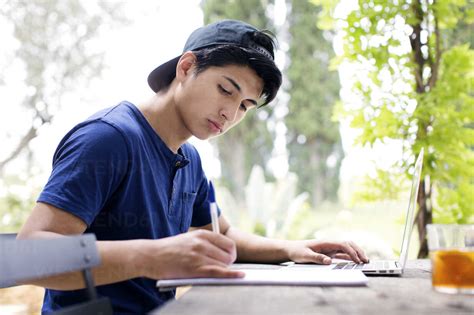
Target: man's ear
<point>185,65</point>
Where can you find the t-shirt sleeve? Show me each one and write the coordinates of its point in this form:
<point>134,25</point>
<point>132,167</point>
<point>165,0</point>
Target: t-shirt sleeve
<point>88,166</point>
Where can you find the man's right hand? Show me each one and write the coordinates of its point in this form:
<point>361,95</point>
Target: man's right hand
<point>197,254</point>
<point>200,253</point>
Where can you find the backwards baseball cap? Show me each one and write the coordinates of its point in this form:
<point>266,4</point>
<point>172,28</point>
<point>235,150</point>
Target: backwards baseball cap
<point>225,32</point>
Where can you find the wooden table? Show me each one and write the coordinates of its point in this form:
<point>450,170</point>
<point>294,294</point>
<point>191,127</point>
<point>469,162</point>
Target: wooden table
<point>410,294</point>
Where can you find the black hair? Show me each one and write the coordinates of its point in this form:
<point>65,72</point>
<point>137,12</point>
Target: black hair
<point>224,55</point>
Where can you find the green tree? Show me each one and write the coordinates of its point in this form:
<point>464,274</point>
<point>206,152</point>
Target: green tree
<point>250,143</point>
<point>415,76</point>
<point>15,207</point>
<point>57,49</point>
<point>54,38</point>
<point>313,136</point>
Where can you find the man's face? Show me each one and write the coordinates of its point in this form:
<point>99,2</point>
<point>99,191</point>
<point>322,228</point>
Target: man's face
<point>217,99</point>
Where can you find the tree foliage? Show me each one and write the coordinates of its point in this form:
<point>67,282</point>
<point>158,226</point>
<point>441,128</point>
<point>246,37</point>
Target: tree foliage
<point>414,78</point>
<point>56,49</point>
<point>314,89</point>
<point>16,201</point>
<point>54,46</point>
<point>250,143</point>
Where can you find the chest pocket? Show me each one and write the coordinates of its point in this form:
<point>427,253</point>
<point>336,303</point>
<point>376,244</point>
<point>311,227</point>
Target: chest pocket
<point>180,211</point>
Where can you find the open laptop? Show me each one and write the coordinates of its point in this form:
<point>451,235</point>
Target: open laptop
<point>394,267</point>
<point>387,267</point>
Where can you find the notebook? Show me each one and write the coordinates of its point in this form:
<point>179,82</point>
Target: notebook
<point>386,267</point>
<point>281,276</point>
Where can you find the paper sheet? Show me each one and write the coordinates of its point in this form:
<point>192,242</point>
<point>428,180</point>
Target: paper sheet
<point>282,276</point>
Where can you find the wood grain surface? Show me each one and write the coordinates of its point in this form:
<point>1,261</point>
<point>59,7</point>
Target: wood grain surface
<point>411,293</point>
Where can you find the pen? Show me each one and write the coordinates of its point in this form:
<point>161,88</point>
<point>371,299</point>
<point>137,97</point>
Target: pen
<point>213,208</point>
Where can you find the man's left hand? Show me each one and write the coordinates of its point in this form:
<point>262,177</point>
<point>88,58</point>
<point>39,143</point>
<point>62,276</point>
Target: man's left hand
<point>321,252</point>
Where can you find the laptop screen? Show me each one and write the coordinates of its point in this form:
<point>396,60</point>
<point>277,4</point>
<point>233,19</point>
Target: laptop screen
<point>415,184</point>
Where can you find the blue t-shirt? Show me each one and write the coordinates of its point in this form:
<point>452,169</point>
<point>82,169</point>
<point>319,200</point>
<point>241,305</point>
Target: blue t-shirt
<point>115,173</point>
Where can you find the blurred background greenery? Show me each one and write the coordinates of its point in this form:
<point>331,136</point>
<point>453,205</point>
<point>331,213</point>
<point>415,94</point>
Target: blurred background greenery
<point>368,75</point>
<point>367,84</point>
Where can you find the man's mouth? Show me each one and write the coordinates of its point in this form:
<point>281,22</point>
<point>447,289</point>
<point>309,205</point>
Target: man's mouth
<point>215,126</point>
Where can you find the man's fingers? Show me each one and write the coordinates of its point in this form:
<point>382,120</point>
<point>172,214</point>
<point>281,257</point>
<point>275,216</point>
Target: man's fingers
<point>341,256</point>
<point>332,248</point>
<point>348,249</point>
<point>220,241</point>
<point>206,260</point>
<point>316,258</point>
<point>219,272</point>
<point>363,257</point>
<point>212,251</point>
<point>356,253</point>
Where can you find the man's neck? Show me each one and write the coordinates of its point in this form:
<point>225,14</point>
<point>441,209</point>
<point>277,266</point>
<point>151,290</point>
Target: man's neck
<point>161,114</point>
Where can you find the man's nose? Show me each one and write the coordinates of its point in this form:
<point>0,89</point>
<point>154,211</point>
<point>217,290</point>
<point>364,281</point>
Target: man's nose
<point>229,111</point>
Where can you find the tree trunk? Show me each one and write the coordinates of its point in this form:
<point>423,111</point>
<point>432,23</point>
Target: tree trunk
<point>318,179</point>
<point>423,218</point>
<point>423,85</point>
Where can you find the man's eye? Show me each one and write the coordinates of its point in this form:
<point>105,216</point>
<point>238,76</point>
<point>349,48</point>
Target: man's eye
<point>224,90</point>
<point>243,107</point>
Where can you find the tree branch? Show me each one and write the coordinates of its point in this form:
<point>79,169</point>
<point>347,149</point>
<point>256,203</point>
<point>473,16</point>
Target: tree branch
<point>31,134</point>
<point>415,41</point>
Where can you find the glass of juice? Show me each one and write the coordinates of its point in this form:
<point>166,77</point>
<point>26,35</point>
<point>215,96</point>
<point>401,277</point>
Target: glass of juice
<point>451,249</point>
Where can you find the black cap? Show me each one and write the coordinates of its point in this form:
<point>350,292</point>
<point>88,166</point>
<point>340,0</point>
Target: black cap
<point>226,32</point>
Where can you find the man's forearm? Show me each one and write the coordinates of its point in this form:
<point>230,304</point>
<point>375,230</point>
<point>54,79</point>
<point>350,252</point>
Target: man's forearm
<point>254,248</point>
<point>120,260</point>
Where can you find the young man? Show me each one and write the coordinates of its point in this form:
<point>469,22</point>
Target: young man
<point>128,175</point>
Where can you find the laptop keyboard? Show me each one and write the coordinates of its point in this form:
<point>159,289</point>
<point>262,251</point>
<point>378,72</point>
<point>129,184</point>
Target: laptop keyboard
<point>372,265</point>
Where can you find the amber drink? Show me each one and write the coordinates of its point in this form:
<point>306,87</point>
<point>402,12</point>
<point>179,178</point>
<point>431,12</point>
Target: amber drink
<point>452,257</point>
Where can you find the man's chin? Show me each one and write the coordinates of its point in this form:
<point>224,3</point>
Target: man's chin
<point>209,135</point>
